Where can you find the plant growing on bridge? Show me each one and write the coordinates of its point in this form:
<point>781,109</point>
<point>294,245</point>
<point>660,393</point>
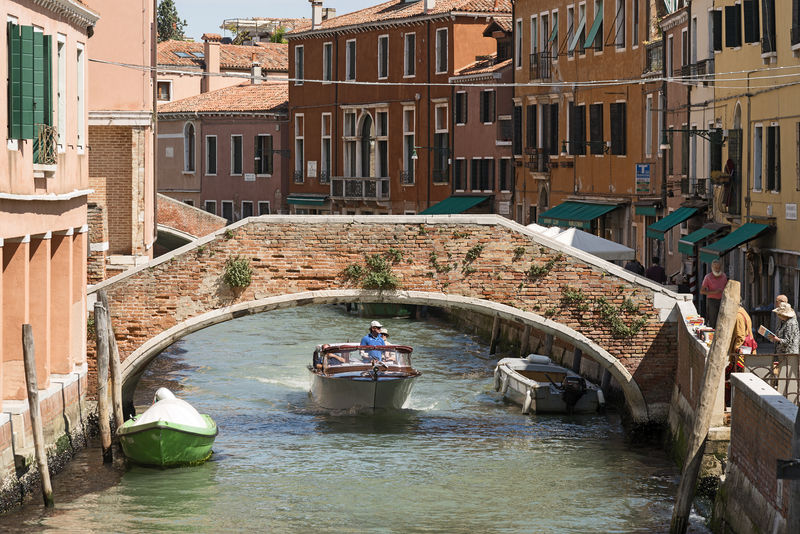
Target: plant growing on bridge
<point>228,233</point>
<point>473,253</point>
<point>539,271</point>
<point>611,316</point>
<point>376,275</point>
<point>433,259</point>
<point>238,273</point>
<point>518,253</point>
<point>571,296</point>
<point>395,255</point>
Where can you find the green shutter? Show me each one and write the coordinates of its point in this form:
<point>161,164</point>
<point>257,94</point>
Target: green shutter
<point>14,82</point>
<point>269,154</point>
<point>26,52</point>
<point>38,78</point>
<point>48,80</point>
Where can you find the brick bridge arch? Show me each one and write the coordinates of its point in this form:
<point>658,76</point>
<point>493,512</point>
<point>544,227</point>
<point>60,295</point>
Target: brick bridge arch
<point>485,263</point>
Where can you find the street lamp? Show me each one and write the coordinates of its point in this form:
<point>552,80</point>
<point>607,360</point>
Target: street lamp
<point>606,146</point>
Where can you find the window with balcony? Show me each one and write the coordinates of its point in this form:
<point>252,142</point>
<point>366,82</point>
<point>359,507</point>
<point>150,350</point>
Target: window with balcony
<point>350,59</point>
<point>62,92</point>
<point>534,34</point>
<point>299,64</point>
<point>441,51</point>
<point>350,143</point>
<point>531,127</point>
<point>618,118</point>
<point>733,26</point>
<point>211,155</point>
<point>299,146</point>
<point>325,152</point>
<point>188,147</point>
<point>236,155</point>
<point>383,57</point>
<point>366,146</point>
<point>487,108</point>
<point>773,153</point>
<point>410,55</point>
<point>553,39</point>
<point>327,62</point>
<point>461,108</point>
<point>549,119</point>
<point>263,154</point>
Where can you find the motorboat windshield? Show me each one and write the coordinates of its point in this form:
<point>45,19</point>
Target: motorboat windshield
<point>389,356</point>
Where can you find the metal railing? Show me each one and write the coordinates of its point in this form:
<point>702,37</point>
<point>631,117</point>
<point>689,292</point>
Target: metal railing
<point>44,146</point>
<point>324,177</point>
<point>355,188</point>
<point>654,57</point>
<point>298,177</point>
<point>780,371</point>
<point>538,160</point>
<point>407,177</point>
<point>540,66</point>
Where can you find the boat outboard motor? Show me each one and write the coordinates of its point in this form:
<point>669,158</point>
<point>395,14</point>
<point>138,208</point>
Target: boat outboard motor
<point>574,388</point>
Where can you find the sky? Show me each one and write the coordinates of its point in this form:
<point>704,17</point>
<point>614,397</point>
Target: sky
<point>206,16</point>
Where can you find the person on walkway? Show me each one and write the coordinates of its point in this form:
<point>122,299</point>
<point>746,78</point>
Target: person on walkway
<point>712,287</point>
<point>742,337</point>
<point>374,339</point>
<point>635,267</point>
<point>656,272</point>
<point>787,338</point>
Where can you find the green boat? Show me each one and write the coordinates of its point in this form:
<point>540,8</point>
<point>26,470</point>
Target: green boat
<point>170,433</point>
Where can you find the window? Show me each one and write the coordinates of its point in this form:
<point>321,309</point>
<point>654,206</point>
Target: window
<point>487,106</point>
<point>684,47</point>
<point>545,33</point>
<point>635,23</point>
<point>733,26</point>
<point>715,153</point>
<point>211,155</point>
<point>693,47</point>
<point>350,142</point>
<point>549,114</point>
<point>227,210</point>
<point>327,62</point>
<point>247,209</point>
<point>350,59</point>
<point>797,156</point>
<point>768,43</point>
<point>758,162</point>
<point>648,128</point>
<point>441,51</point>
<point>211,206</point>
<point>596,128</point>
<point>382,159</point>
<point>188,201</point>
<point>62,92</point>
<point>262,154</point>
<point>668,54</point>
<point>263,208</point>
<point>482,178</point>
<point>580,31</point>
<point>325,159</point>
<point>570,31</point>
<point>81,100</point>
<point>532,127</point>
<point>577,129</point>
<point>460,174</point>
<point>383,56</point>
<point>299,156</point>
<point>505,174</point>
<point>795,32</point>
<point>693,160</point>
<point>554,36</point>
<point>618,129</point>
<point>661,105</point>
<point>773,153</point>
<point>534,34</point>
<point>236,155</point>
<point>410,55</point>
<point>441,150</point>
<point>461,108</point>
<point>518,44</point>
<point>408,146</point>
<point>516,132</point>
<point>597,27</point>
<point>715,29</point>
<point>620,24</point>
<point>164,90</point>
<point>298,64</point>
<point>751,28</point>
<point>684,150</point>
<point>188,147</point>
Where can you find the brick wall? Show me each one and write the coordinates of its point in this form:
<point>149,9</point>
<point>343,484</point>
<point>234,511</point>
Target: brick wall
<point>111,163</point>
<point>98,236</point>
<point>292,255</point>
<point>181,216</point>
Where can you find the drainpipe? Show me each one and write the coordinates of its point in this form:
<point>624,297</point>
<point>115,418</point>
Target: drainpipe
<point>663,128</point>
<point>428,90</point>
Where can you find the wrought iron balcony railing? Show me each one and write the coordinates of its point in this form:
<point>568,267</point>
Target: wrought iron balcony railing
<point>44,146</point>
<point>407,177</point>
<point>537,160</point>
<point>540,66</point>
<point>355,188</point>
<point>654,58</point>
<point>298,177</point>
<point>324,177</point>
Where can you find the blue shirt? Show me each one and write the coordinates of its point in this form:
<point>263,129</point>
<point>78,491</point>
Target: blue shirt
<point>369,340</point>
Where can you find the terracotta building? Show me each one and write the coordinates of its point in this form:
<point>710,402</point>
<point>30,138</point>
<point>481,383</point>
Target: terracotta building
<point>226,151</point>
<point>43,198</point>
<point>121,137</point>
<point>186,68</point>
<point>371,132</point>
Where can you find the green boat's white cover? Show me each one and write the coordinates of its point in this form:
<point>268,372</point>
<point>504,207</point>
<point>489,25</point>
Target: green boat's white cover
<point>171,409</point>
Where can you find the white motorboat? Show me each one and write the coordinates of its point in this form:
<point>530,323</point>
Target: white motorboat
<point>353,377</point>
<point>540,386</point>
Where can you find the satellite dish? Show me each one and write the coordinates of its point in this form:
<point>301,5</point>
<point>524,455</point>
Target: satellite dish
<point>771,266</point>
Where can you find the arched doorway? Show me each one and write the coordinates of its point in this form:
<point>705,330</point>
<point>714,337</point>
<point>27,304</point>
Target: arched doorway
<point>366,147</point>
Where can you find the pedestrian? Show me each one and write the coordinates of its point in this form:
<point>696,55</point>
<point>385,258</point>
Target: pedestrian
<point>712,287</point>
<point>742,339</point>
<point>373,339</point>
<point>656,272</point>
<point>635,267</point>
<point>787,338</point>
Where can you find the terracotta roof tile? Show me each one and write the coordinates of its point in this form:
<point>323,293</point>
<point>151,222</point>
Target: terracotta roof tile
<point>273,57</point>
<point>398,9</point>
<point>264,97</point>
<point>484,65</point>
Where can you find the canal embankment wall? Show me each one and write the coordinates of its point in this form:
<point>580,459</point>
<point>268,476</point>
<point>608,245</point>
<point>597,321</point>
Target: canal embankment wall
<point>751,498</point>
<point>65,415</point>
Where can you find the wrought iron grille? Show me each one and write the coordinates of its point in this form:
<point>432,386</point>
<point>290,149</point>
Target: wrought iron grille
<point>298,177</point>
<point>324,177</point>
<point>44,148</point>
<point>407,177</point>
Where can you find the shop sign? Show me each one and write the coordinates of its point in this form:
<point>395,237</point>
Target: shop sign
<point>643,177</point>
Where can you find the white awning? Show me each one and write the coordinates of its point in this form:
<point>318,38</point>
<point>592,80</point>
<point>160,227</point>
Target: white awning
<point>574,237</point>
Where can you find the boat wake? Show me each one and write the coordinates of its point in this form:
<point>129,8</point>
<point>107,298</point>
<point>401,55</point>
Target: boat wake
<point>290,383</point>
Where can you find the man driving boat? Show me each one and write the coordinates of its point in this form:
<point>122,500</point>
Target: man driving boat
<point>374,339</point>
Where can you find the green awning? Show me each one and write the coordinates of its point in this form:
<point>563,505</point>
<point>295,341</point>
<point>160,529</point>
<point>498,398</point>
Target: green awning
<point>575,214</point>
<point>743,234</point>
<point>453,205</point>
<point>577,36</point>
<point>646,210</point>
<point>598,20</point>
<point>307,200</point>
<point>554,33</point>
<point>659,228</point>
<point>687,243</point>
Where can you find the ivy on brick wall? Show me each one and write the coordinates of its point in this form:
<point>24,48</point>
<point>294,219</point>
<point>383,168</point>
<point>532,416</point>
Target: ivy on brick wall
<point>377,273</point>
<point>238,273</point>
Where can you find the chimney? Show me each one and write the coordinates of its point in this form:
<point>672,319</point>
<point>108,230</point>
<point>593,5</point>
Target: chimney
<point>211,42</point>
<point>428,5</point>
<point>255,70</point>
<point>316,13</point>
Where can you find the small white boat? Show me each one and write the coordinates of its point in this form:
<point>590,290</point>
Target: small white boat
<point>540,386</point>
<point>352,377</point>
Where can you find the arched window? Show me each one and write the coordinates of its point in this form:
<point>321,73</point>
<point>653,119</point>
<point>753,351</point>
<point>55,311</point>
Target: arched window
<point>366,147</point>
<point>188,147</point>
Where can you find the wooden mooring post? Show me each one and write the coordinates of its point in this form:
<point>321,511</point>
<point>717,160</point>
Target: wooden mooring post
<point>715,367</point>
<point>101,331</point>
<point>36,415</point>
<point>526,341</point>
<point>114,364</point>
<point>495,335</point>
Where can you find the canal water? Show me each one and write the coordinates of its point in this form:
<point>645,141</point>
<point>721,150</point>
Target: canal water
<point>457,459</point>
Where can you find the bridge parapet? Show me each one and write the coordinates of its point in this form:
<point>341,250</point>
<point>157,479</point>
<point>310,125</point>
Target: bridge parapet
<point>626,322</point>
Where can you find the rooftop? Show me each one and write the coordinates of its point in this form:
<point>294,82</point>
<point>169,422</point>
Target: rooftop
<point>484,65</point>
<point>273,57</point>
<point>248,97</point>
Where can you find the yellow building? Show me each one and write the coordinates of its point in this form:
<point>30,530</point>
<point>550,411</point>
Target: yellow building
<point>756,47</point>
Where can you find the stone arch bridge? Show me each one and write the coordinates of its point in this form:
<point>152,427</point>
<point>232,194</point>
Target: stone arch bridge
<point>483,263</point>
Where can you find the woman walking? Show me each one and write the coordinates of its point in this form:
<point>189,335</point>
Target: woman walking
<point>787,338</point>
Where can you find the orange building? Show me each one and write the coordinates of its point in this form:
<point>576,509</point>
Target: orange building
<point>371,131</point>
